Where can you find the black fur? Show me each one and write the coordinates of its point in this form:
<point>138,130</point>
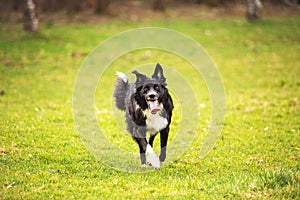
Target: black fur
<point>121,94</point>
<point>146,99</point>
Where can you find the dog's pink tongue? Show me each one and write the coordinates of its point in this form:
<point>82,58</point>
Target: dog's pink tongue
<point>154,106</point>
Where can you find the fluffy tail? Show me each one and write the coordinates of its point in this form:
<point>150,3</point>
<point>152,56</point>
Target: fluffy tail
<point>121,88</point>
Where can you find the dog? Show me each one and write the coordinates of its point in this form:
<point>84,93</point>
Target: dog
<point>148,108</point>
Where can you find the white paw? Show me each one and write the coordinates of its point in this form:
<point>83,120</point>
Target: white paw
<point>153,161</point>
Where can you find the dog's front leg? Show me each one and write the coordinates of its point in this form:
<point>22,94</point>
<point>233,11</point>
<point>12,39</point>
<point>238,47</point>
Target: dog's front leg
<point>139,136</point>
<point>151,139</point>
<point>164,134</point>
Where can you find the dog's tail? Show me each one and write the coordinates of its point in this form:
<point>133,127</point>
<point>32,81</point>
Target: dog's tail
<point>120,92</point>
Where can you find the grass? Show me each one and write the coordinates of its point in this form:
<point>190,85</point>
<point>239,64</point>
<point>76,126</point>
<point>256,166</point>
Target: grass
<point>257,155</point>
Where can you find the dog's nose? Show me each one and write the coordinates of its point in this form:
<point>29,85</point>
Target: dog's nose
<point>152,96</point>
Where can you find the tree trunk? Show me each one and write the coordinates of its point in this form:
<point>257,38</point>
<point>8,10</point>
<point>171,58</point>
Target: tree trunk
<point>31,22</point>
<point>254,9</point>
<point>288,3</point>
<point>158,5</point>
<point>101,6</point>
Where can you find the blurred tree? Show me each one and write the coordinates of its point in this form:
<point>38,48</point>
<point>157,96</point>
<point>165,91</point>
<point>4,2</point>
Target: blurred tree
<point>51,5</point>
<point>215,2</point>
<point>101,6</point>
<point>31,22</point>
<point>73,6</point>
<point>158,5</point>
<point>254,9</point>
<point>288,3</point>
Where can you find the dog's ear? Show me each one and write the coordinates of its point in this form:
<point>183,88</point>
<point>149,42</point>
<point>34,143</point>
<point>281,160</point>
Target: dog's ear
<point>159,74</point>
<point>140,78</point>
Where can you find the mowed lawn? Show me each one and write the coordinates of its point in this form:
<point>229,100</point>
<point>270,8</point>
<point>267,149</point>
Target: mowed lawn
<point>257,155</point>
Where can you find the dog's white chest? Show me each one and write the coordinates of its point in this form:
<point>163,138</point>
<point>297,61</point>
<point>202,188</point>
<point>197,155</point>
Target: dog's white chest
<point>155,121</point>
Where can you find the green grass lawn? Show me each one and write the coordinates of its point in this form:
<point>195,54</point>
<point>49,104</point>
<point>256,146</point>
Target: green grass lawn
<point>257,155</point>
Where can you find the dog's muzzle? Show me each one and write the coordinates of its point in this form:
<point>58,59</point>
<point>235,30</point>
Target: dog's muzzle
<point>152,101</point>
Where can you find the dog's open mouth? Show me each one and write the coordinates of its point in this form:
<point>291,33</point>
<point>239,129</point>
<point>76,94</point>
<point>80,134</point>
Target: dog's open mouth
<point>153,106</point>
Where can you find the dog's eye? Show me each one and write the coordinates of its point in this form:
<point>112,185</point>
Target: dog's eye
<point>145,90</point>
<point>156,87</point>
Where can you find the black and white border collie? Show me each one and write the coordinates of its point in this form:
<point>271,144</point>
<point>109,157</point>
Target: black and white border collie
<point>148,106</point>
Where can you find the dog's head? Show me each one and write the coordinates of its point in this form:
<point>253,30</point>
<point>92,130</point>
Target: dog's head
<point>150,91</point>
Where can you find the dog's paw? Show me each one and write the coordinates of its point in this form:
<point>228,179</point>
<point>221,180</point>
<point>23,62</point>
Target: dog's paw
<point>162,157</point>
<point>153,161</point>
<point>143,165</point>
